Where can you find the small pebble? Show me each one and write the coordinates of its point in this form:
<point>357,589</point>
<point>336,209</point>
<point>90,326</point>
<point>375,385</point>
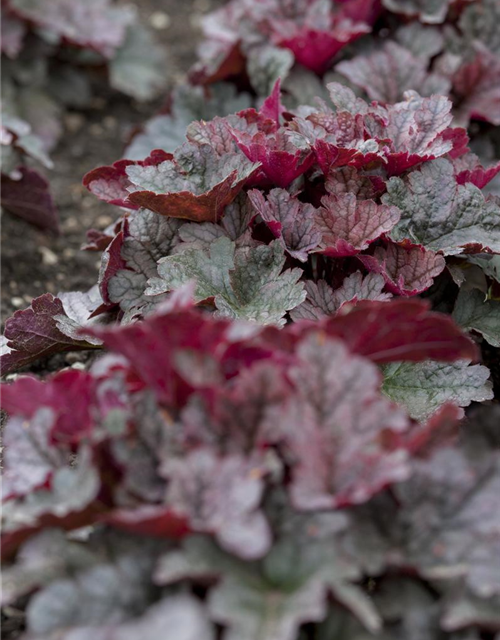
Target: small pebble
<point>104,221</point>
<point>17,302</point>
<point>96,130</point>
<point>49,258</point>
<point>160,20</point>
<point>74,122</point>
<point>110,122</point>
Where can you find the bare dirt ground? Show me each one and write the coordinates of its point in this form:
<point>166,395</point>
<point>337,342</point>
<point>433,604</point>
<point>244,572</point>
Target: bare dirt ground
<point>34,263</point>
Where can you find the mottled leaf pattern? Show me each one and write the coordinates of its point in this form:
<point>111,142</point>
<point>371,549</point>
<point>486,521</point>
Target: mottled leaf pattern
<point>441,214</point>
<point>423,387</point>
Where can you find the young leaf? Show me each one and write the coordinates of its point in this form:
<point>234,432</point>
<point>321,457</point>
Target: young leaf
<point>442,215</point>
<point>423,387</point>
<point>283,155</point>
<point>289,220</point>
<point>247,283</point>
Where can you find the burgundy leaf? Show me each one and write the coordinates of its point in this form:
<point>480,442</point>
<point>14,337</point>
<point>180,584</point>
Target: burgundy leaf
<point>477,84</point>
<point>315,48</point>
<point>283,158</point>
<point>33,333</point>
<point>68,395</point>
<point>148,520</point>
<point>30,199</point>
<point>111,183</point>
<point>348,225</point>
<point>150,347</point>
<point>271,108</point>
<point>339,139</point>
<point>111,263</point>
<point>400,330</point>
<point>468,168</point>
<point>407,270</point>
<point>196,185</point>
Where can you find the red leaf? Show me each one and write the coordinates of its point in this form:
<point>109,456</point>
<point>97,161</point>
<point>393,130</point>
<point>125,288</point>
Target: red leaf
<point>110,183</point>
<point>400,330</point>
<point>30,199</point>
<point>32,334</point>
<point>148,520</point>
<point>407,270</point>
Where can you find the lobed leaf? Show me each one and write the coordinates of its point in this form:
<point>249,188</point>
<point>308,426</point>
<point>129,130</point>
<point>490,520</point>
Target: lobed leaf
<point>423,387</point>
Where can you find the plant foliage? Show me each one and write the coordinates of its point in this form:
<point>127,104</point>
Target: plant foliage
<point>48,49</point>
<point>299,301</point>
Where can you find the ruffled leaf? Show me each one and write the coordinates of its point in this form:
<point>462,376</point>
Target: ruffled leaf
<point>474,313</point>
<point>442,215</point>
<point>348,225</point>
<point>322,300</point>
<point>423,387</point>
<point>407,271</point>
<point>289,220</point>
<point>337,455</point>
<point>246,283</point>
<point>385,75</point>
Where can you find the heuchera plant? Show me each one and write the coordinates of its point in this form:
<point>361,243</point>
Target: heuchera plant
<point>48,48</point>
<point>300,303</point>
<point>248,462</point>
<point>380,48</point>
<point>273,451</point>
